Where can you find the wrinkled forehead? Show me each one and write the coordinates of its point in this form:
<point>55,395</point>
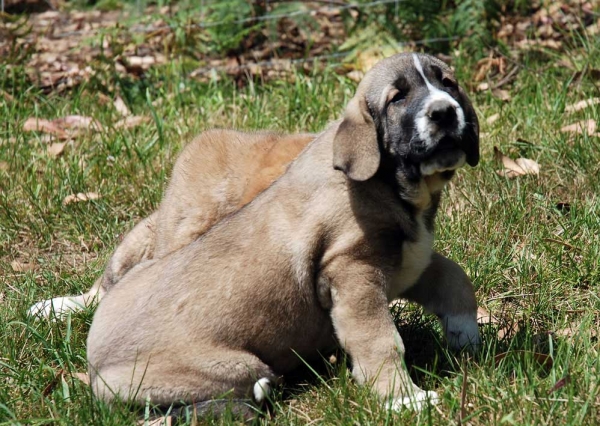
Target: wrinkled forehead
<point>412,69</point>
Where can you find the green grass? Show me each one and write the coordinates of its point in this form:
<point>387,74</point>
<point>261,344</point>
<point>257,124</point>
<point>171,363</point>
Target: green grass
<point>531,263</point>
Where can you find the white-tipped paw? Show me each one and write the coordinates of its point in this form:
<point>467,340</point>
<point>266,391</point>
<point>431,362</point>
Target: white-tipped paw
<point>416,402</point>
<point>262,389</point>
<point>462,331</point>
<point>58,307</point>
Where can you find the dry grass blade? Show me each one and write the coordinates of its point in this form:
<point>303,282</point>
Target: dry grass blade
<point>463,396</point>
<point>515,168</point>
<point>581,105</point>
<point>76,198</point>
<point>544,360</point>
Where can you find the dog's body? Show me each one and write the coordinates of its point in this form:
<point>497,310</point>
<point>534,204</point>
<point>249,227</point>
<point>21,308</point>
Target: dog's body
<point>215,175</point>
<point>311,262</point>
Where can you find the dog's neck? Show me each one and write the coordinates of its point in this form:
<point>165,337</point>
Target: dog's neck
<point>420,193</point>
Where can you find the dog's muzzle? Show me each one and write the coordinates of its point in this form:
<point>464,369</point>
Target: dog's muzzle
<point>441,144</point>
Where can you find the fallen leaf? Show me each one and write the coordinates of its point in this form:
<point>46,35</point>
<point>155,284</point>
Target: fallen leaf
<point>581,127</point>
<point>581,105</point>
<point>486,318</point>
<point>514,168</point>
<point>82,377</point>
<point>492,118</point>
<point>355,75</point>
<point>41,125</point>
<point>503,95</point>
<point>120,106</point>
<point>482,87</point>
<point>3,166</point>
<point>7,96</point>
<point>19,266</point>
<point>78,122</point>
<point>76,198</point>
<point>131,121</point>
<point>159,421</point>
<point>575,329</point>
<point>56,149</point>
<point>560,384</point>
<point>52,384</point>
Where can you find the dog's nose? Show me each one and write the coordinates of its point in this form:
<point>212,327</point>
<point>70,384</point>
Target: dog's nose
<point>442,113</point>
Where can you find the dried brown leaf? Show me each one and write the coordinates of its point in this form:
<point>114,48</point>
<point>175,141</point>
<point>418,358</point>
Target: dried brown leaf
<point>581,127</point>
<point>482,87</point>
<point>575,329</point>
<point>76,198</point>
<point>19,266</point>
<point>492,118</point>
<point>6,96</point>
<point>560,384</point>
<point>120,106</point>
<point>40,125</point>
<point>56,149</point>
<point>581,105</point>
<point>515,168</point>
<point>82,377</point>
<point>78,122</point>
<point>131,121</point>
<point>503,95</point>
<point>3,166</point>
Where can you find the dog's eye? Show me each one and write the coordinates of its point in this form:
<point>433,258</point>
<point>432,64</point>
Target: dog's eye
<point>398,97</point>
<point>449,83</point>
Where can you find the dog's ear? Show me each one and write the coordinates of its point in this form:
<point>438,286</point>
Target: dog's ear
<point>471,146</point>
<point>355,147</point>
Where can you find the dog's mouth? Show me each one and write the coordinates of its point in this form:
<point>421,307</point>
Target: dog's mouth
<point>444,156</point>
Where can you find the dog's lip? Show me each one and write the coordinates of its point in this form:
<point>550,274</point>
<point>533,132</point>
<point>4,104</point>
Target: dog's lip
<point>446,145</point>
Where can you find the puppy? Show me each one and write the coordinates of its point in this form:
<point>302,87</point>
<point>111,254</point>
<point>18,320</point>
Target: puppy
<point>215,175</point>
<point>310,263</point>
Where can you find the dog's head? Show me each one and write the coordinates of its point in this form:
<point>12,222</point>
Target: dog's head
<point>410,108</point>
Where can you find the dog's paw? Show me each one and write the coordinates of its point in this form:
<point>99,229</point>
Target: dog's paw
<point>416,402</point>
<point>462,331</point>
<point>57,308</point>
<point>262,390</point>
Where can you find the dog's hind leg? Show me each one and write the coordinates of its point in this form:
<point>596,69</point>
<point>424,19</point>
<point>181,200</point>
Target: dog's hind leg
<point>178,378</point>
<point>137,246</point>
<point>445,290</point>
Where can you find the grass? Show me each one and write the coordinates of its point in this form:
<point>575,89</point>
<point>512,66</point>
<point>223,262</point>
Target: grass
<point>532,263</point>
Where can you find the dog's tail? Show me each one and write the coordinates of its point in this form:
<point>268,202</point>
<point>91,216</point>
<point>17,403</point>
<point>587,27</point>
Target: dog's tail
<point>137,247</point>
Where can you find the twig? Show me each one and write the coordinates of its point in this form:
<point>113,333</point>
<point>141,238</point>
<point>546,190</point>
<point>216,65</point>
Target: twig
<point>508,78</point>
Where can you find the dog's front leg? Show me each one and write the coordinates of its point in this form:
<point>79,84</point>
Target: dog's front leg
<point>366,331</point>
<point>445,290</point>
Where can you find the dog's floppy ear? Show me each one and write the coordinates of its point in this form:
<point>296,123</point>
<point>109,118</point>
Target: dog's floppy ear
<point>471,146</point>
<point>355,147</point>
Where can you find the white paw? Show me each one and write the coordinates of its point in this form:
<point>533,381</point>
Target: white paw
<point>416,402</point>
<point>58,307</point>
<point>262,389</point>
<point>461,331</point>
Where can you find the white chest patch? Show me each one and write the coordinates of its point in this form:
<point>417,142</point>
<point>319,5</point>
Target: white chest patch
<point>416,257</point>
